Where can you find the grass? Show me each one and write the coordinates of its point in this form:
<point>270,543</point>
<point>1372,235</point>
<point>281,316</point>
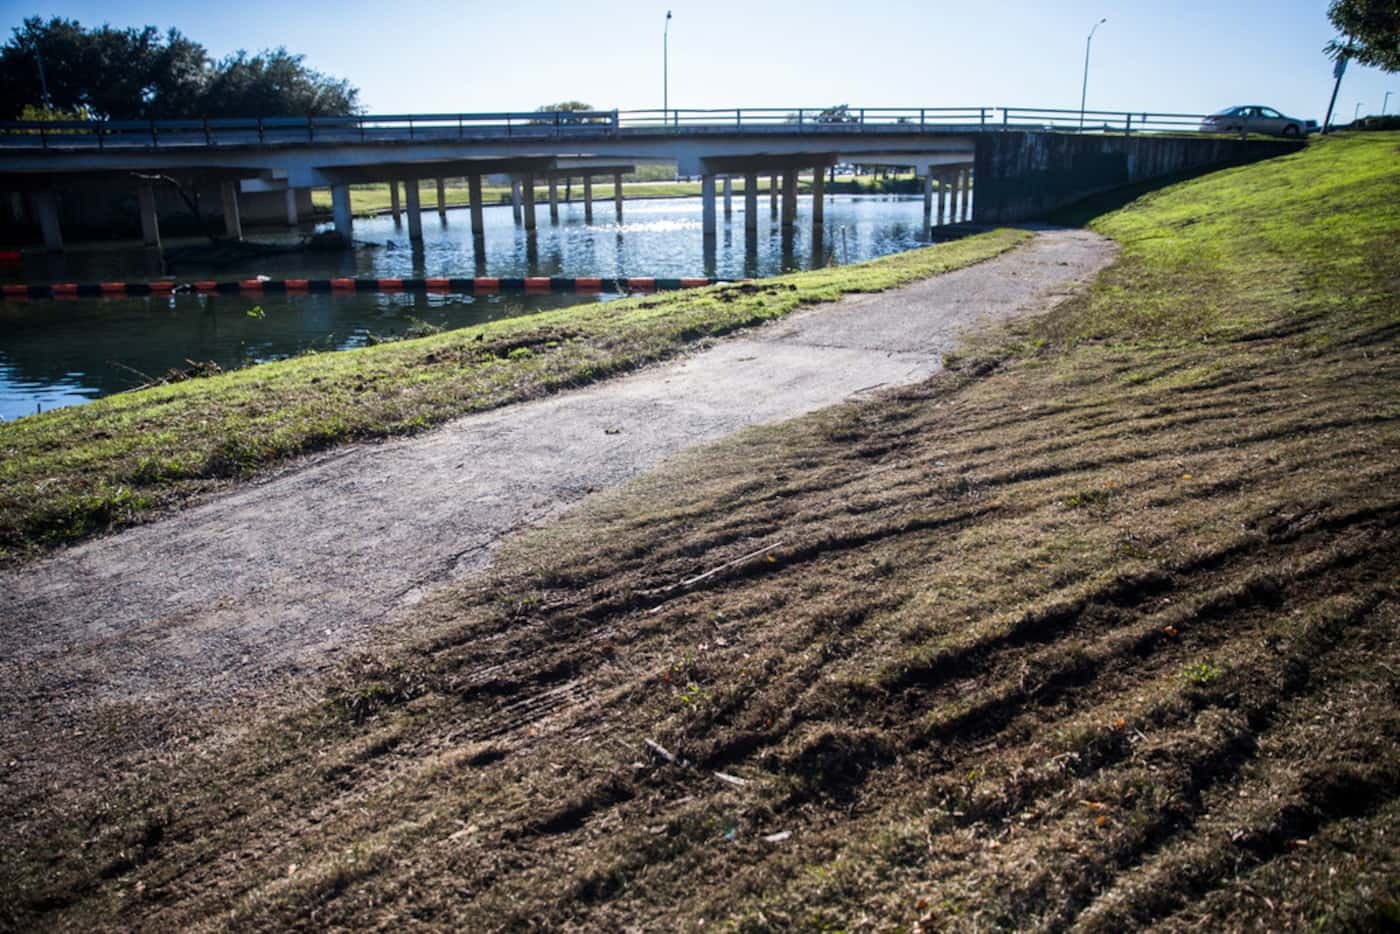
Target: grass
<point>955,698</point>
<point>72,472</point>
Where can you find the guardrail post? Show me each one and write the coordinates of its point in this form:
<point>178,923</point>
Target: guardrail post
<point>410,128</point>
<point>862,116</point>
<point>155,138</point>
<point>507,125</point>
<point>208,140</point>
<point>459,126</point>
<point>921,118</point>
<point>43,137</point>
<point>310,130</point>
<point>99,136</point>
<point>1128,127</point>
<point>260,131</point>
<point>982,114</point>
<point>616,121</point>
<point>1005,119</point>
<point>360,122</point>
<point>799,121</point>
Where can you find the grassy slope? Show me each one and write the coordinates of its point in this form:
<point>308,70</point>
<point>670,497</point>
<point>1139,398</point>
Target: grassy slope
<point>1099,627</point>
<point>68,473</point>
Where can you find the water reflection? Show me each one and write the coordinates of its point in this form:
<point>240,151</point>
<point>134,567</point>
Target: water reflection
<point>62,352</point>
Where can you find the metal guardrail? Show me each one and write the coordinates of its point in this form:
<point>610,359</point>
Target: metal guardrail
<point>291,131</point>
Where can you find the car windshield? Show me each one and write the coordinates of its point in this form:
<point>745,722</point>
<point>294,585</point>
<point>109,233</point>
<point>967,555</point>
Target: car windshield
<point>1227,112</point>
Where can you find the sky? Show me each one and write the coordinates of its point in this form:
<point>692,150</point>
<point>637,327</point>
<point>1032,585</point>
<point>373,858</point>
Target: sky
<point>429,56</point>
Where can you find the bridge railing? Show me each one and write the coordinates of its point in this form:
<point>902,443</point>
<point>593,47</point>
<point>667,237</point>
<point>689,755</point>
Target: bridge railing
<point>278,131</point>
<point>804,119</point>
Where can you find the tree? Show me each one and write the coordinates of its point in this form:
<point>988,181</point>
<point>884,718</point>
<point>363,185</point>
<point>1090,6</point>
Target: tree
<point>567,107</point>
<point>135,74</point>
<point>275,83</point>
<point>1370,32</point>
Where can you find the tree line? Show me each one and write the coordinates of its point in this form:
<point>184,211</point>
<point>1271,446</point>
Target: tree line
<point>59,69</point>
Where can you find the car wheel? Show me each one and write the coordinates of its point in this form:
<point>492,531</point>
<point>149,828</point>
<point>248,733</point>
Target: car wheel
<point>1292,130</point>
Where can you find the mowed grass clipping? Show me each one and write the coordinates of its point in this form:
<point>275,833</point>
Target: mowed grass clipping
<point>1096,629</point>
<point>71,472</point>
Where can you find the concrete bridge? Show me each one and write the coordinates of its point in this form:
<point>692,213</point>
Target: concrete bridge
<point>1026,160</point>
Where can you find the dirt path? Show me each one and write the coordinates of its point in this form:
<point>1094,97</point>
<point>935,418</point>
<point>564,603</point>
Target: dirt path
<point>282,576</point>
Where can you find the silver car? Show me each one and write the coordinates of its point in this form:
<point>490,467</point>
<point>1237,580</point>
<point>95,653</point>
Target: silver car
<point>1252,118</point>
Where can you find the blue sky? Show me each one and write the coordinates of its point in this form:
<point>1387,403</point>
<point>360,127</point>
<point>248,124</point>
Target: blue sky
<point>436,56</point>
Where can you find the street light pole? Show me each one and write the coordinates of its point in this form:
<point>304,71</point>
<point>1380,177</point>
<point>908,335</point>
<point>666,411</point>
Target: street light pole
<point>1385,106</point>
<point>1084,92</point>
<point>666,71</point>
<point>1356,113</point>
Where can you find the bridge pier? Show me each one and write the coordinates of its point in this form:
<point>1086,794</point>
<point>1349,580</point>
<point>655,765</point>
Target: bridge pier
<point>707,205</point>
<point>751,202</point>
<point>942,197</point>
<point>617,194</point>
<point>515,208</point>
<point>293,215</point>
<point>789,197</point>
<point>773,196</point>
<point>414,208</point>
<point>588,199</point>
<point>728,198</point>
<point>150,221</point>
<point>46,209</point>
<point>442,198</point>
<point>340,209</point>
<point>553,200</point>
<point>233,224</point>
<point>964,208</point>
<point>818,197</point>
<point>474,200</point>
<point>394,201</point>
<point>527,183</point>
<point>928,204</point>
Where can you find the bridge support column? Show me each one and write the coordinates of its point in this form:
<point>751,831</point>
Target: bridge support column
<point>751,202</point>
<point>442,198</point>
<point>728,197</point>
<point>588,199</point>
<point>818,197</point>
<point>942,197</point>
<point>394,208</point>
<point>340,208</point>
<point>293,215</point>
<point>789,197</point>
<point>528,185</point>
<point>474,192</point>
<point>233,224</point>
<point>46,209</point>
<point>150,221</point>
<point>707,205</point>
<point>964,208</point>
<point>773,196</point>
<point>954,181</point>
<point>414,208</point>
<point>928,203</point>
<point>515,209</point>
<point>553,200</point>
<point>617,194</point>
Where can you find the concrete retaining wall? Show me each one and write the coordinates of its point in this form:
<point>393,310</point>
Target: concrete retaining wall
<point>1023,175</point>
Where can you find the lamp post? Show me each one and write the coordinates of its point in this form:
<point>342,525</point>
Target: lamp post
<point>1356,112</point>
<point>666,71</point>
<point>1385,105</point>
<point>1084,92</point>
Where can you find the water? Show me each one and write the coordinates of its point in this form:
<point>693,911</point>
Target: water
<point>55,352</point>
